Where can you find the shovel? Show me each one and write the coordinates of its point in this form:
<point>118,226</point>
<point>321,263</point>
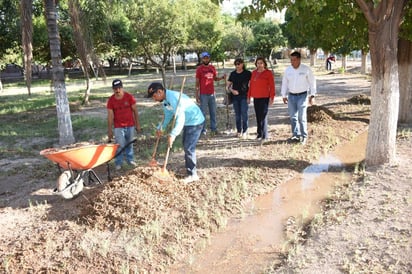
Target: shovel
<point>228,125</point>
<point>164,174</point>
<point>153,162</point>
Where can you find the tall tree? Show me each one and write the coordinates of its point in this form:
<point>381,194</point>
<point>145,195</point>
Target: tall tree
<point>237,38</point>
<point>9,32</point>
<point>160,29</point>
<point>267,36</point>
<point>27,37</point>
<point>384,20</point>
<point>204,28</point>
<point>81,46</point>
<point>62,103</point>
<point>405,67</point>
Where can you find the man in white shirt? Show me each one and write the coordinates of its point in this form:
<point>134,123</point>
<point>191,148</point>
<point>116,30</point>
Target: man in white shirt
<point>298,84</point>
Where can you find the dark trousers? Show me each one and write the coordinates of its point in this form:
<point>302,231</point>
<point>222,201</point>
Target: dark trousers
<point>241,112</point>
<point>261,110</point>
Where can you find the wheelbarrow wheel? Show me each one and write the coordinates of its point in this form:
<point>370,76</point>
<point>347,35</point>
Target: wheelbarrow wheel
<point>68,187</point>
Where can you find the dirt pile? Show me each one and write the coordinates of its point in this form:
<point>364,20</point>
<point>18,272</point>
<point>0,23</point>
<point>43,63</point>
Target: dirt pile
<point>134,200</point>
<point>318,114</point>
<point>360,99</point>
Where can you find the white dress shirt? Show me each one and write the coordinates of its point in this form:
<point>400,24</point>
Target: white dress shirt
<point>298,80</point>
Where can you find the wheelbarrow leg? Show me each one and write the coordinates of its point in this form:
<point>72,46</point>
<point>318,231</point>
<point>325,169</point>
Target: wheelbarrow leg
<point>109,177</point>
<point>93,177</point>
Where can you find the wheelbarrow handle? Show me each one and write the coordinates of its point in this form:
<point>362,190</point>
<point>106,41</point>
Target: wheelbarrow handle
<point>123,148</point>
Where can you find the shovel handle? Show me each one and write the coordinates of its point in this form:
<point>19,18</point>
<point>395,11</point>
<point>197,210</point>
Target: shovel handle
<point>155,148</point>
<point>174,120</point>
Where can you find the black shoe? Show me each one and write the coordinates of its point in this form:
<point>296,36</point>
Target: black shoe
<point>294,139</point>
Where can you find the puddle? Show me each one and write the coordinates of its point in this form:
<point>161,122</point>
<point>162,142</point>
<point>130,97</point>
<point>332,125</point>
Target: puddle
<point>250,244</point>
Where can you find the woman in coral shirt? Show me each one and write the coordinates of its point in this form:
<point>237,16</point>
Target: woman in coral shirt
<point>262,90</point>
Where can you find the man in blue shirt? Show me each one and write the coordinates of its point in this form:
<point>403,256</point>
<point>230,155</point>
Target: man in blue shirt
<point>189,119</point>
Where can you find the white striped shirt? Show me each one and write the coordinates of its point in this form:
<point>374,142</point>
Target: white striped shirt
<point>298,80</point>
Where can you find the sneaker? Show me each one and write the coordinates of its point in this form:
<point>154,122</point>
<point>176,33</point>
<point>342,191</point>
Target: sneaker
<point>190,179</point>
<point>118,167</point>
<point>238,135</point>
<point>132,163</point>
<point>245,135</point>
<point>294,139</point>
<point>214,133</point>
<point>303,140</point>
<point>258,138</point>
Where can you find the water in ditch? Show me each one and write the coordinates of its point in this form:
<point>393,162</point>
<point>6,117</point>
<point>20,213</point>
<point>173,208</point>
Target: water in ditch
<point>250,244</point>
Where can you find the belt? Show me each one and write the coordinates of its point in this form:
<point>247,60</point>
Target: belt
<point>297,94</point>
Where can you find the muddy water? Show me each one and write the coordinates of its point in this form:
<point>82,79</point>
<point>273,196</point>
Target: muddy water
<point>250,244</point>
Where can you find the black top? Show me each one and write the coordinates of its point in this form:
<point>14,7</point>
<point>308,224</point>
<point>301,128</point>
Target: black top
<point>240,81</point>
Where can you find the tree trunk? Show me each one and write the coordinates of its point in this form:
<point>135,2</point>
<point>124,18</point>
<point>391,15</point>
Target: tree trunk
<point>363,62</point>
<point>62,103</point>
<point>405,81</point>
<point>163,72</point>
<point>130,69</point>
<point>383,26</point>
<point>313,57</point>
<point>81,45</point>
<point>98,64</point>
<point>27,37</point>
<point>344,62</point>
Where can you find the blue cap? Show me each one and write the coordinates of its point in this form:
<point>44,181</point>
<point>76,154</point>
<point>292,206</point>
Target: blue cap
<point>205,54</point>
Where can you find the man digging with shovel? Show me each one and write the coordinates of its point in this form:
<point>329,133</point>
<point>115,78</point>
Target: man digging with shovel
<point>187,117</point>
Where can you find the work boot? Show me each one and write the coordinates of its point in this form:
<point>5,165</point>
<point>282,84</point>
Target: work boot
<point>190,179</point>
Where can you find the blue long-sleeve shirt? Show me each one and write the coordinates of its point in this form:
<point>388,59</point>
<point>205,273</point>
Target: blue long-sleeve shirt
<point>188,113</point>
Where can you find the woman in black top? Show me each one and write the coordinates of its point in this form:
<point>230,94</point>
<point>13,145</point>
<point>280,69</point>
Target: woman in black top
<point>238,85</point>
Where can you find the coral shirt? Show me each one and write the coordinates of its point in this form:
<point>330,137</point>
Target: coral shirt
<point>122,109</point>
<point>262,85</point>
<point>206,75</point>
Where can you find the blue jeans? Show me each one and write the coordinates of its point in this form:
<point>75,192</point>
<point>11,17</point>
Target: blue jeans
<point>297,107</point>
<point>123,136</point>
<point>261,110</point>
<point>190,137</point>
<point>241,108</point>
<point>209,101</point>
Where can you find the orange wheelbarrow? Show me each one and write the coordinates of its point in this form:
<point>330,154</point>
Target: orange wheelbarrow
<point>77,164</point>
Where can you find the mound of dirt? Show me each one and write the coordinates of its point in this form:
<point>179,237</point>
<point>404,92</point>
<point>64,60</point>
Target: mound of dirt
<point>360,99</point>
<point>318,114</point>
<point>140,190</point>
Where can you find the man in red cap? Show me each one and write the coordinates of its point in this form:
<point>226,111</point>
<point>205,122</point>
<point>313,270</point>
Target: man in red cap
<point>122,114</point>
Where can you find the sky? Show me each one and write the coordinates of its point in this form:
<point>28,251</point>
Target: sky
<point>234,7</point>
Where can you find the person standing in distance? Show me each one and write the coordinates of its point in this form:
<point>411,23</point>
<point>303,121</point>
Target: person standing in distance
<point>238,85</point>
<point>189,119</point>
<point>262,90</point>
<point>205,90</point>
<point>298,84</point>
<point>122,114</point>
